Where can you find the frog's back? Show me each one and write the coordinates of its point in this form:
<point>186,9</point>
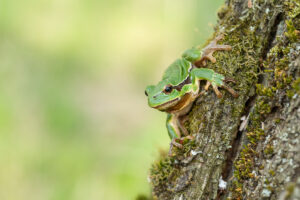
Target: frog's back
<point>177,72</point>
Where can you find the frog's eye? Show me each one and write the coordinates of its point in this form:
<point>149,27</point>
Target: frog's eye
<point>146,93</point>
<point>168,89</point>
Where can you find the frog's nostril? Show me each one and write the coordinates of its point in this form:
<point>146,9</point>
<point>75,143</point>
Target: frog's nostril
<point>146,93</point>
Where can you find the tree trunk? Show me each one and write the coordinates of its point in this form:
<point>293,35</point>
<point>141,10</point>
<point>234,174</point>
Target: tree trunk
<point>246,147</point>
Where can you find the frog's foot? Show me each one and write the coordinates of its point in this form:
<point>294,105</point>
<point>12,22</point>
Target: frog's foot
<point>210,49</point>
<point>172,144</point>
<point>226,87</point>
<point>229,89</point>
<point>178,143</point>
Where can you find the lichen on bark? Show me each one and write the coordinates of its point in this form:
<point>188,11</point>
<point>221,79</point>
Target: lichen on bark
<point>249,155</point>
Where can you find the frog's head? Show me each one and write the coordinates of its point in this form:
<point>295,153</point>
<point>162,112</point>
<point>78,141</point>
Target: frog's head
<point>162,96</point>
<point>168,92</point>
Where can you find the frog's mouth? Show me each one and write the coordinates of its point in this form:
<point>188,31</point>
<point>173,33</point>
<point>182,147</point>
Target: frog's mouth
<point>166,106</point>
<point>177,104</point>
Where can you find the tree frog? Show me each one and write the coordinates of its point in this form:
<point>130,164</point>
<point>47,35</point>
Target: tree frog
<point>180,86</point>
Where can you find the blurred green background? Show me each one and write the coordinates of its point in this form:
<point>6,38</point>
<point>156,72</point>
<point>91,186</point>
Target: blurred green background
<point>74,121</point>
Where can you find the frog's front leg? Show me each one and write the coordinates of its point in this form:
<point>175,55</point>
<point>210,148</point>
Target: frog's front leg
<point>213,79</point>
<point>210,49</point>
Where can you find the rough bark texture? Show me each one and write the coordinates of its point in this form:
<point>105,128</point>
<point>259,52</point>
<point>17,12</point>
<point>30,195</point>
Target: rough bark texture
<point>251,143</point>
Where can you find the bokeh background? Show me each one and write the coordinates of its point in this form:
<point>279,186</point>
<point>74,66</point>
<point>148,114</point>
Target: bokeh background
<point>74,121</point>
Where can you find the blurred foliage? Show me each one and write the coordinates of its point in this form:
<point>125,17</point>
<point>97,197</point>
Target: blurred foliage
<point>74,122</point>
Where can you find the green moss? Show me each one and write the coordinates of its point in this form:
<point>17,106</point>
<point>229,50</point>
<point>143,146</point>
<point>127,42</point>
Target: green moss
<point>293,8</point>
<point>290,189</point>
<point>263,107</point>
<point>290,93</point>
<point>269,150</point>
<point>277,120</point>
<point>161,170</point>
<point>244,165</point>
<point>295,89</point>
<point>243,63</point>
<point>223,10</point>
<point>265,91</point>
<point>255,136</point>
<point>296,85</point>
<point>267,182</point>
<point>237,191</point>
<point>276,67</point>
<point>166,170</point>
<point>272,172</point>
<point>161,173</point>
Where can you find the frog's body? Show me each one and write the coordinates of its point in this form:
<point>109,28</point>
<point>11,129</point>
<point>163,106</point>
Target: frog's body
<point>180,86</point>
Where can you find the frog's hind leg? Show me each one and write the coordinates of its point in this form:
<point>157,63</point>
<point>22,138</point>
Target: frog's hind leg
<point>229,89</point>
<point>173,131</point>
<point>210,49</point>
<point>175,128</point>
<point>181,126</point>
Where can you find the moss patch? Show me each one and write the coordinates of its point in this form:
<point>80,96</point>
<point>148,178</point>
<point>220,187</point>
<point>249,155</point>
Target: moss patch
<point>278,81</point>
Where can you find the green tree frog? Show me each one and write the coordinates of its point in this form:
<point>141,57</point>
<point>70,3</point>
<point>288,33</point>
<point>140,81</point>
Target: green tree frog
<point>180,86</point>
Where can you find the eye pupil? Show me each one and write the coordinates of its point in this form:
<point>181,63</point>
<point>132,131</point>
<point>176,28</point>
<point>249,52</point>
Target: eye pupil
<point>146,93</point>
<point>168,89</point>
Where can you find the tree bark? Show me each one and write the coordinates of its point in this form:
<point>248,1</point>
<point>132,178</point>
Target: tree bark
<point>246,147</point>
